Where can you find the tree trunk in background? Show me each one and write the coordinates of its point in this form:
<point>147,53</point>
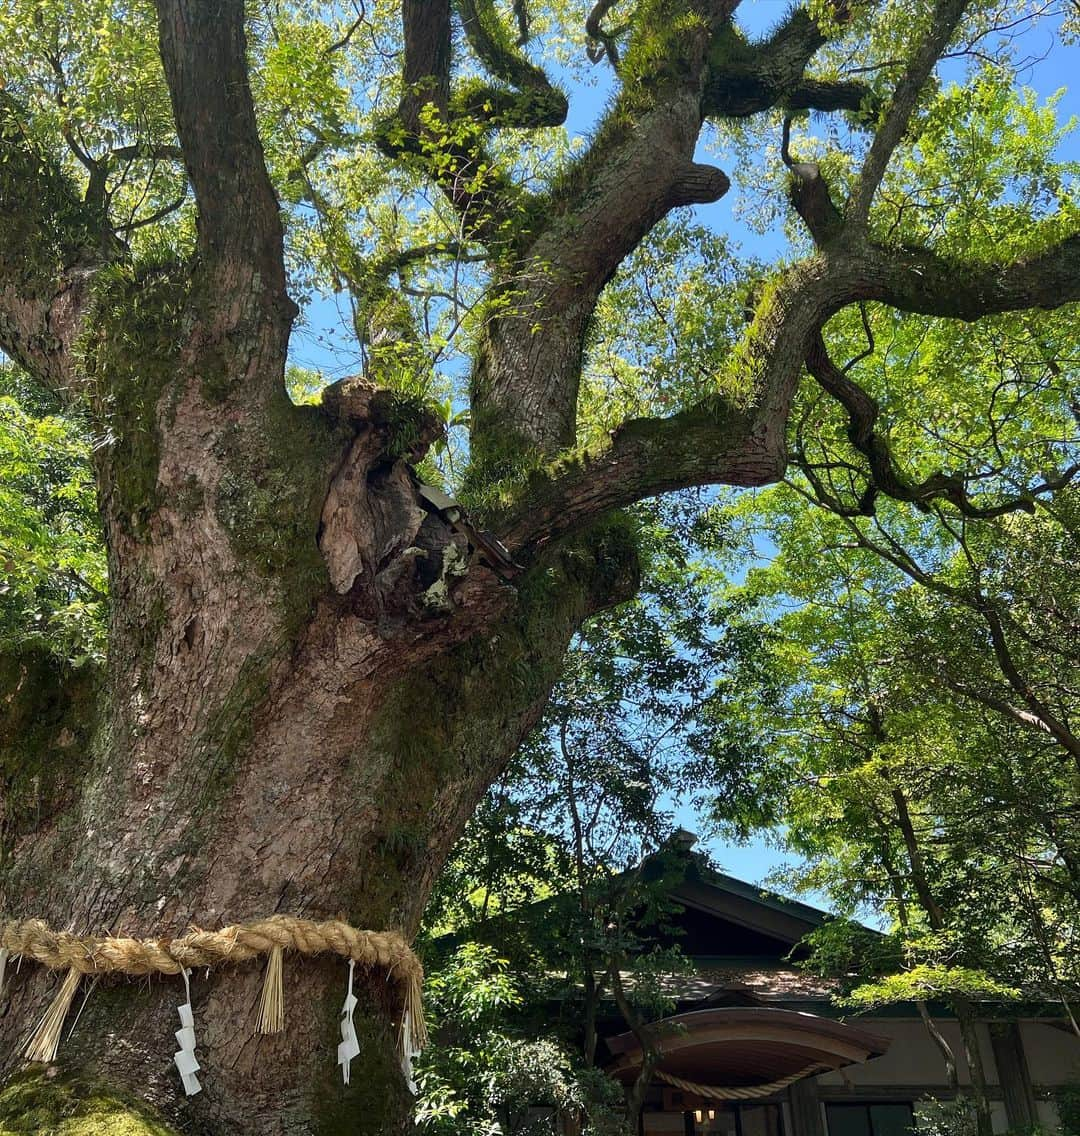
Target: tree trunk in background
<point>973,1054</point>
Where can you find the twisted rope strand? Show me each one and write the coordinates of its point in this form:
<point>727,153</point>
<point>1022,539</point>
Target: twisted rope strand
<point>89,954</point>
<point>79,955</point>
<point>241,942</point>
<point>745,1092</point>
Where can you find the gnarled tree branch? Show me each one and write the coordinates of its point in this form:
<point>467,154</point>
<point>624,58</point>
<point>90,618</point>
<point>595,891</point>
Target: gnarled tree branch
<point>52,243</point>
<point>748,78</point>
<point>716,444</point>
<point>713,443</point>
<point>602,41</point>
<point>863,412</point>
<point>639,167</point>
<point>533,100</point>
<point>919,280</point>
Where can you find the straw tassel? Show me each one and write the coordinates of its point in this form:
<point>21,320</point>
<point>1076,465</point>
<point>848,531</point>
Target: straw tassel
<point>413,1036</point>
<point>45,1040</point>
<point>272,1004</point>
<point>413,1027</point>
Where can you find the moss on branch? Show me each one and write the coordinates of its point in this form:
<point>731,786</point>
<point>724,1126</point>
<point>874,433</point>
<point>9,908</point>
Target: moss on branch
<point>747,78</point>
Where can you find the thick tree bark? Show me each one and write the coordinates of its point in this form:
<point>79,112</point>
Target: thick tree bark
<point>309,740</point>
<point>312,676</point>
<point>312,673</point>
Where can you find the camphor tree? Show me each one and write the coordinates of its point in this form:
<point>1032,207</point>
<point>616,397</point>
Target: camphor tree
<point>313,670</point>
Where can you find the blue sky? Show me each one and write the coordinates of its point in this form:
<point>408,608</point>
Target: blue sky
<point>1050,71</point>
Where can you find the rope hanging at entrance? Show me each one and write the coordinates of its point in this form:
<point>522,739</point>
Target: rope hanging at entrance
<point>743,1092</point>
<point>79,955</point>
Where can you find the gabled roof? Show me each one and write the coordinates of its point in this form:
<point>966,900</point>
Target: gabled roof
<point>722,918</point>
<point>756,909</point>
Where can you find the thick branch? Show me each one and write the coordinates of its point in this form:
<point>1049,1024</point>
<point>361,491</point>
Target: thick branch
<point>747,79</point>
<point>601,41</point>
<point>918,280</point>
<point>426,28</point>
<point>204,51</point>
<point>710,444</point>
<point>830,95</point>
<point>525,382</point>
<point>715,444</point>
<point>809,194</point>
<point>947,14</point>
<point>504,60</point>
<point>639,167</point>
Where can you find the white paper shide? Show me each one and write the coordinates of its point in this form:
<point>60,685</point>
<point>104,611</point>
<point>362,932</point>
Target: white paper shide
<point>349,1047</point>
<point>184,1058</point>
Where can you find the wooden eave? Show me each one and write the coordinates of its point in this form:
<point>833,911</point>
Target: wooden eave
<point>734,1046</point>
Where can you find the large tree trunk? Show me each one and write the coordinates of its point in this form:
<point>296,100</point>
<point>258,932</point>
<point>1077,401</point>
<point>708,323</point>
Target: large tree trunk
<point>311,680</point>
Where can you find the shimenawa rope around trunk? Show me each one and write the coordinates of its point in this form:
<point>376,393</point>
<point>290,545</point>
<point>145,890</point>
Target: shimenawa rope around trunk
<point>95,955</point>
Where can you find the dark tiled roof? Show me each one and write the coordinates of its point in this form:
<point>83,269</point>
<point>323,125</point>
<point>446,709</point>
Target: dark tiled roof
<point>742,982</point>
<point>767,982</point>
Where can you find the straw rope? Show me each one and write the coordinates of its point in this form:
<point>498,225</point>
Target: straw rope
<point>745,1092</point>
<point>89,954</point>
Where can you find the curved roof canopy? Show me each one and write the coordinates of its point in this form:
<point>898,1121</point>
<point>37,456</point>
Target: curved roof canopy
<point>742,1046</point>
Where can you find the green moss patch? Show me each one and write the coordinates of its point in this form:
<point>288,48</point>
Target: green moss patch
<point>39,1104</point>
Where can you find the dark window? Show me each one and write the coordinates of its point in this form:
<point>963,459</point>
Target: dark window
<point>760,1120</point>
<point>869,1119</point>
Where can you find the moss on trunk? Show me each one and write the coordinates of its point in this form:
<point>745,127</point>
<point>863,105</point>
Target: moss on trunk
<point>40,1103</point>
